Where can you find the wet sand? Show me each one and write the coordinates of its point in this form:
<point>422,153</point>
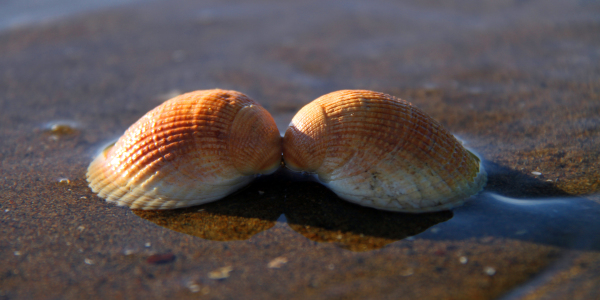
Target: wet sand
<point>518,82</point>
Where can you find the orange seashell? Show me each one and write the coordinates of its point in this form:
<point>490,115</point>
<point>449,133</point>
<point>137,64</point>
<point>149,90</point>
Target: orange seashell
<point>195,148</point>
<point>379,151</point>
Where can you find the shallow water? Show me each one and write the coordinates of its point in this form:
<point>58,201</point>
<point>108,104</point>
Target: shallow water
<point>517,82</point>
<point>569,222</point>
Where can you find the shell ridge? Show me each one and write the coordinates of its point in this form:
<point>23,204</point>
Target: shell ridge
<point>442,165</point>
<point>175,155</point>
<point>252,152</point>
<point>148,183</point>
<point>413,197</point>
<point>437,170</point>
<point>427,169</point>
<point>450,141</point>
<point>335,112</point>
<point>377,182</point>
<point>456,170</point>
<point>101,183</point>
<point>368,132</point>
<point>308,137</point>
<point>325,132</point>
<point>146,195</point>
<point>228,147</point>
<point>165,147</point>
<point>189,193</point>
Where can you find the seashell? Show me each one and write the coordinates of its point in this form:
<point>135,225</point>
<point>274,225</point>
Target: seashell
<point>379,151</point>
<point>195,148</point>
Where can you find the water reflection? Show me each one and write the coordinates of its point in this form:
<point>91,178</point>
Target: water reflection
<point>563,222</point>
<point>316,213</point>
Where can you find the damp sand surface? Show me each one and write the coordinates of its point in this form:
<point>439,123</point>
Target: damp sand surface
<point>517,82</point>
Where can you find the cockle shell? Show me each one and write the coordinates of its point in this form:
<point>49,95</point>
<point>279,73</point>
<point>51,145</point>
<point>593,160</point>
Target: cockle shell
<point>379,151</point>
<point>195,148</point>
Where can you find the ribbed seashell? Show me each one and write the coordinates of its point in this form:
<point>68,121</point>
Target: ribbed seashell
<point>195,148</point>
<point>379,151</point>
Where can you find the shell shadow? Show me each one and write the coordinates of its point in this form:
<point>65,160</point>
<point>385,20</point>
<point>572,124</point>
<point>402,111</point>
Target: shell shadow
<point>236,217</point>
<point>319,215</point>
<point>311,210</point>
<point>511,183</point>
<point>537,212</point>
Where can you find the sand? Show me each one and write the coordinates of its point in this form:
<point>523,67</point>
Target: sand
<point>517,82</point>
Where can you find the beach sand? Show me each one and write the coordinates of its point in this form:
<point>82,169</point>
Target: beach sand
<point>517,82</point>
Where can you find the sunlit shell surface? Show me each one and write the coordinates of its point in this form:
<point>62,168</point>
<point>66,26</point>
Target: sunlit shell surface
<point>195,148</point>
<point>379,151</point>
